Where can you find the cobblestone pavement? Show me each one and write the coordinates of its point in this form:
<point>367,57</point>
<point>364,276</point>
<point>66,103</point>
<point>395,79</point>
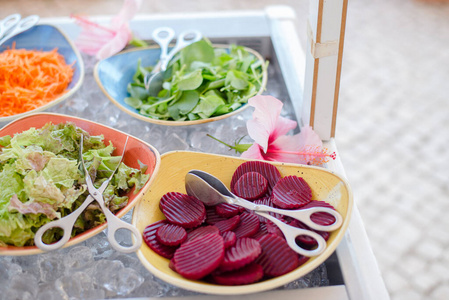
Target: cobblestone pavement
<point>392,125</point>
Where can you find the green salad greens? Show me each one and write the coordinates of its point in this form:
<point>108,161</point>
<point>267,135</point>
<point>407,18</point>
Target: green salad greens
<point>40,180</point>
<point>200,82</point>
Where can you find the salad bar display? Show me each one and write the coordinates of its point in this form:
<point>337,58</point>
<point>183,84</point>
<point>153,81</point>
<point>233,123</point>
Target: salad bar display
<point>43,181</point>
<point>113,136</point>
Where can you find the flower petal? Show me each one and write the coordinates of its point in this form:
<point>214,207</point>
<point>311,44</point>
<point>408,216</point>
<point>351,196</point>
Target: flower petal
<point>253,152</point>
<point>92,36</point>
<point>285,149</point>
<point>308,137</point>
<point>267,125</point>
<point>283,125</point>
<point>116,44</point>
<point>105,41</point>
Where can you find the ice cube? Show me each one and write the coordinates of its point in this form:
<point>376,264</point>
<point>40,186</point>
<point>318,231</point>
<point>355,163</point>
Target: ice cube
<point>128,260</point>
<point>22,286</point>
<point>47,291</point>
<point>77,259</point>
<point>200,141</point>
<point>28,264</point>
<point>51,266</point>
<point>115,278</point>
<point>151,288</point>
<point>174,141</point>
<point>99,246</point>
<point>8,270</point>
<point>79,285</point>
<point>77,104</point>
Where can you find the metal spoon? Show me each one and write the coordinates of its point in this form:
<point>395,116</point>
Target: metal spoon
<point>163,36</point>
<point>211,191</point>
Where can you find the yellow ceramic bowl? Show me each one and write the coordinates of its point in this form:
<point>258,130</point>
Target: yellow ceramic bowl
<point>113,75</point>
<point>136,149</point>
<point>175,165</point>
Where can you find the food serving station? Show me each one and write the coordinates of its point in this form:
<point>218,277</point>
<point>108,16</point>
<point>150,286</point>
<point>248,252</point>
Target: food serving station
<point>306,79</point>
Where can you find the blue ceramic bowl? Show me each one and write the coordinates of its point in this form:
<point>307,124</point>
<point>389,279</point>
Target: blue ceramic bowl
<point>45,38</point>
<point>113,75</point>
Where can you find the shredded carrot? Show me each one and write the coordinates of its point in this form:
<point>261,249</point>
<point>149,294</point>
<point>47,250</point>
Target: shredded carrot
<point>30,79</point>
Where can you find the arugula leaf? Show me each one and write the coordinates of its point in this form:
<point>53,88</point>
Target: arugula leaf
<point>237,80</point>
<point>201,51</point>
<point>187,101</point>
<point>191,81</point>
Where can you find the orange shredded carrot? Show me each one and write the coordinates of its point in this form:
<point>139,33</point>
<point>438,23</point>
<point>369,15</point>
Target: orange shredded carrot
<point>30,79</point>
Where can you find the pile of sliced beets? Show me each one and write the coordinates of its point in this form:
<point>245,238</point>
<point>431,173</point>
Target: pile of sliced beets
<point>227,245</point>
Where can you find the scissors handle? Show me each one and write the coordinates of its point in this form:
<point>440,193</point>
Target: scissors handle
<point>163,36</point>
<point>185,39</point>
<point>66,224</point>
<point>291,233</point>
<point>21,26</point>
<point>114,224</point>
<point>303,215</point>
<point>9,22</point>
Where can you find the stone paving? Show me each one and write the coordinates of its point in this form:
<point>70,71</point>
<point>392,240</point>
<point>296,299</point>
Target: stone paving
<point>392,125</point>
<point>392,130</point>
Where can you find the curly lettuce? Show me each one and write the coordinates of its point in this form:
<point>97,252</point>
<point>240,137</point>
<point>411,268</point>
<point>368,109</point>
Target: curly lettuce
<point>40,180</point>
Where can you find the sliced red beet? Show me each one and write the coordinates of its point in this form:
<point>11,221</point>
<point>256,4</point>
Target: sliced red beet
<point>248,226</point>
<point>302,259</point>
<point>246,275</point>
<point>291,192</point>
<point>183,210</point>
<point>228,224</point>
<point>149,236</point>
<point>273,228</point>
<point>277,258</point>
<point>200,256</point>
<point>320,218</point>
<point>244,252</point>
<point>251,186</point>
<point>262,231</point>
<point>171,264</point>
<point>229,239</point>
<point>226,210</point>
<point>212,217</point>
<point>171,235</point>
<point>305,240</point>
<point>270,172</point>
<point>203,230</point>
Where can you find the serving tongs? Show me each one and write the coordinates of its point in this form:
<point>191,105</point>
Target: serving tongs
<point>114,223</point>
<point>14,24</point>
<point>211,191</point>
<point>163,36</point>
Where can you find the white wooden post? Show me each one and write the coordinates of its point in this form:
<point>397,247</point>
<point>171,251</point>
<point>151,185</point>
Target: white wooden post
<point>324,52</point>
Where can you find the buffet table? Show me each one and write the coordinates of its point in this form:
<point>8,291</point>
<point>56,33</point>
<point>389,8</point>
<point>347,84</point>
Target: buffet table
<point>350,273</point>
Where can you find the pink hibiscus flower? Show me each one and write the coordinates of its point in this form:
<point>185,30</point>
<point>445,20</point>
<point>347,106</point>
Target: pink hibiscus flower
<point>268,130</point>
<point>105,41</point>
